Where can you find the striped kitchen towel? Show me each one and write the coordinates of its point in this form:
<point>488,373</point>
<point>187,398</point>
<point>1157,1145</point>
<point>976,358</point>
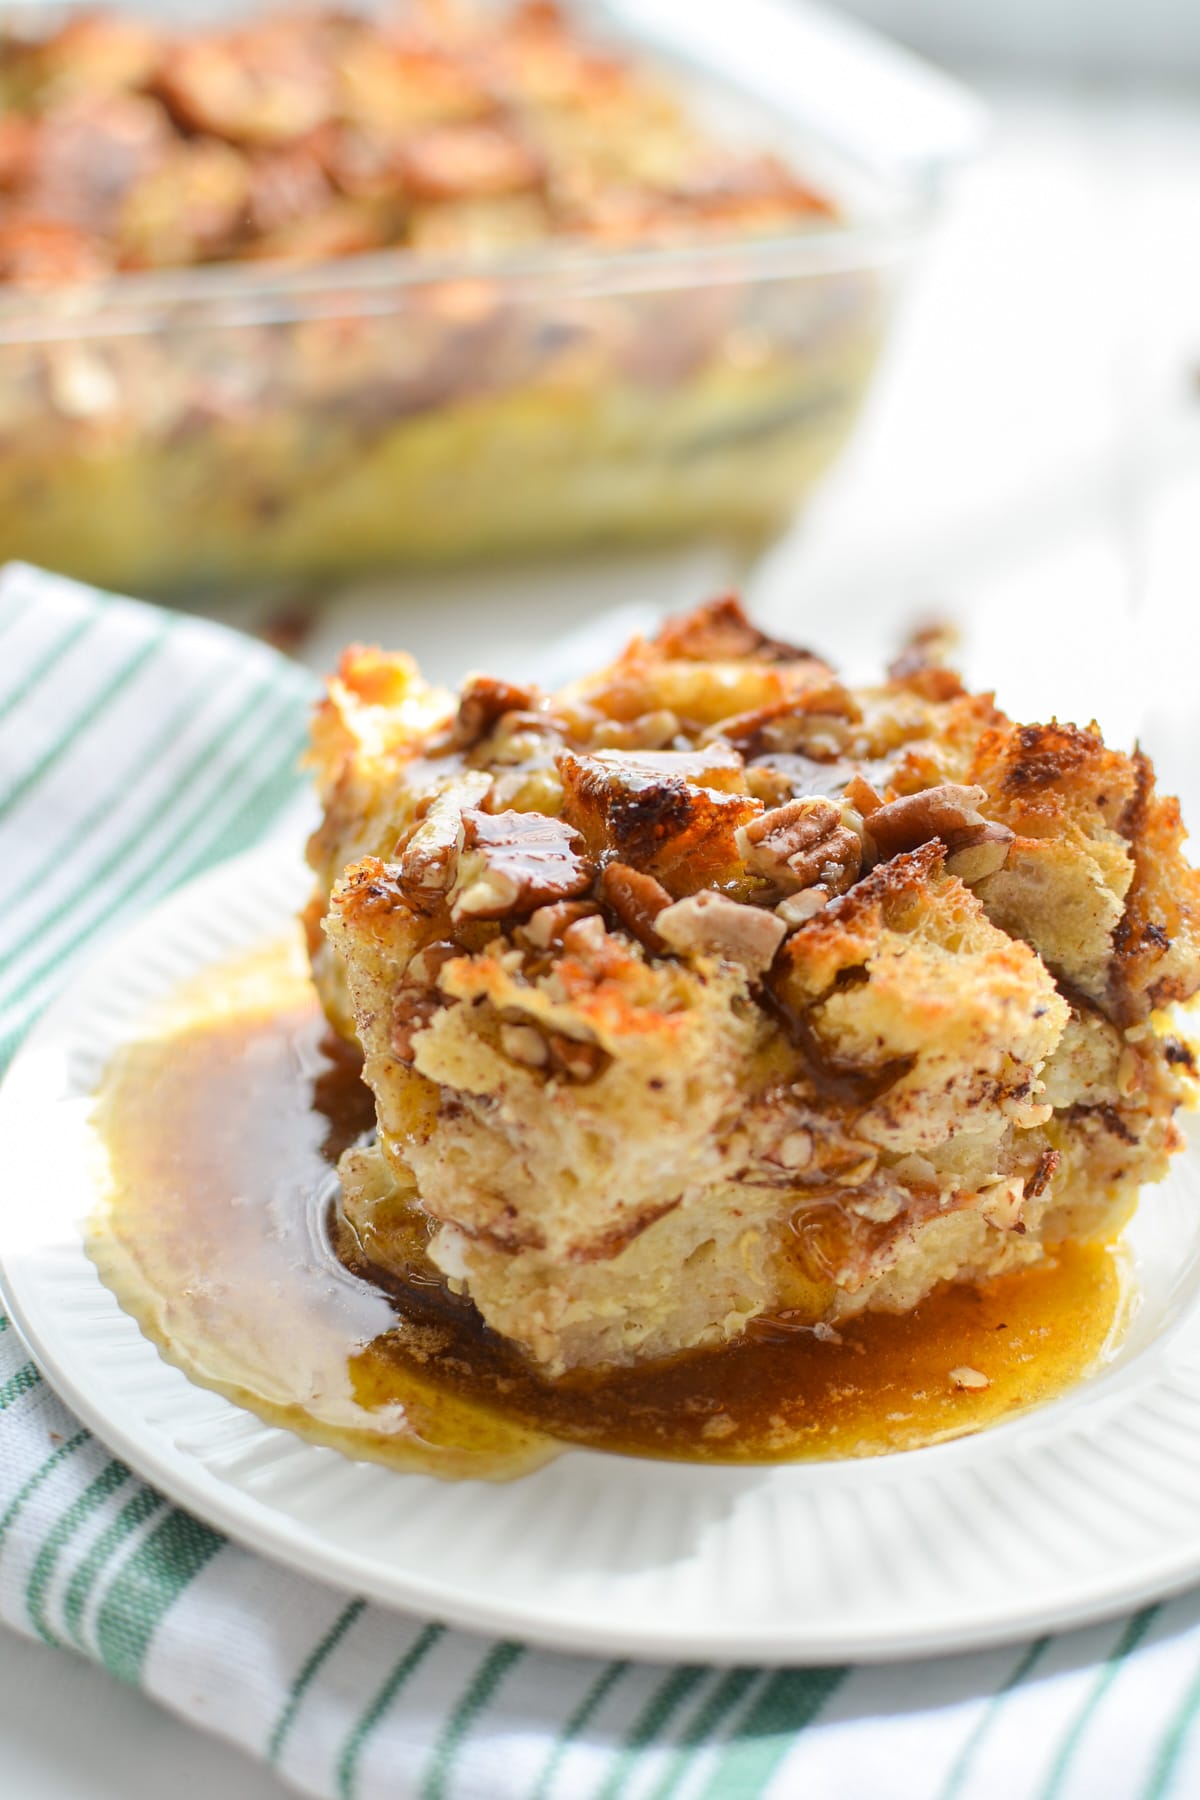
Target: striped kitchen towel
<point>136,748</point>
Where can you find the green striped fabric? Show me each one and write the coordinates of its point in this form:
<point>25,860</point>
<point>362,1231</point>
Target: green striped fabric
<point>136,749</point>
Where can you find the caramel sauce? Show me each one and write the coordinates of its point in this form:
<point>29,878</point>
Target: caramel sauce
<point>222,1236</point>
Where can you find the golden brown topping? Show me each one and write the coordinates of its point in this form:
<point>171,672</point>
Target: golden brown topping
<point>371,888</point>
<point>444,131</point>
<point>662,812</point>
<point>921,667</point>
<point>1156,944</point>
<point>802,843</point>
<point>721,632</point>
<point>512,862</point>
<point>637,899</point>
<point>709,924</point>
<point>452,162</point>
<point>262,85</point>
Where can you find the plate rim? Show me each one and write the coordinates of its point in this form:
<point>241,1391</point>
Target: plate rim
<point>254,1524</point>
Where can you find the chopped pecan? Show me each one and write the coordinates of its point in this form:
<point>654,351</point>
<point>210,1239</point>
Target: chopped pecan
<point>512,862</point>
<point>637,899</point>
<point>525,1044</point>
<point>712,924</point>
<point>948,812</point>
<point>425,967</point>
<point>412,1009</point>
<point>549,924</point>
<point>798,909</point>
<point>484,701</point>
<point>794,1150</point>
<point>580,1061</point>
<point>428,860</point>
<point>965,1377</point>
<point>980,852</point>
<point>721,632</point>
<point>801,844</point>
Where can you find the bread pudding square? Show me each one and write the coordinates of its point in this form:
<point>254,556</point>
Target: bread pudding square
<point>710,990</point>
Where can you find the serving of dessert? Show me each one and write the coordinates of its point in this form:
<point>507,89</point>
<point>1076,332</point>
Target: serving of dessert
<point>756,1067</point>
<point>335,287</point>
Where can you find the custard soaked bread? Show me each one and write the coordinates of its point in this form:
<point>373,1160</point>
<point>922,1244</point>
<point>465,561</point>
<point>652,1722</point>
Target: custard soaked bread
<point>710,990</point>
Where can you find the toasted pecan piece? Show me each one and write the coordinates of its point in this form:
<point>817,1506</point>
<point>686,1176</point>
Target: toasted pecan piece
<point>427,861</point>
<point>512,863</point>
<point>484,701</point>
<point>801,843</point>
<point>637,899</point>
<point>711,924</point>
<point>975,846</point>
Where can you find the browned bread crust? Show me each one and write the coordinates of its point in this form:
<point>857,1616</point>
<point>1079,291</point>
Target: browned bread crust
<point>710,988</point>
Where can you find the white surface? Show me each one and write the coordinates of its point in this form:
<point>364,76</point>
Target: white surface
<point>1111,37</point>
<point>1031,460</point>
<point>953,1547</point>
<point>69,1732</point>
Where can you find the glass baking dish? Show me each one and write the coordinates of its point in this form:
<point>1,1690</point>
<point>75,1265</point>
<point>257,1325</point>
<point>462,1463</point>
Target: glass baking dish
<point>234,423</point>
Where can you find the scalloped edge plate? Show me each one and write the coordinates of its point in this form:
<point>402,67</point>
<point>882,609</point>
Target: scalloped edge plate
<point>1078,1510</point>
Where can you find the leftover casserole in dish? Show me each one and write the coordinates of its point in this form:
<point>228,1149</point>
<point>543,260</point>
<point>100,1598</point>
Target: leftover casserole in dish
<point>313,290</point>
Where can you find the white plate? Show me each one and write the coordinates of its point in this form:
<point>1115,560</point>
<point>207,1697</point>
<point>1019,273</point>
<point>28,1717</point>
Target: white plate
<point>1081,1509</point>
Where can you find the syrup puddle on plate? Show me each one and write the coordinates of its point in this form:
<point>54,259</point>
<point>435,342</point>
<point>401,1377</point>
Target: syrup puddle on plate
<point>220,1234</point>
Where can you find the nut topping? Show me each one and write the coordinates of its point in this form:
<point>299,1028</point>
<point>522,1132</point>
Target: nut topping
<point>525,1044</point>
<point>711,924</point>
<point>512,862</point>
<point>795,1151</point>
<point>637,900</point>
<point>428,861</point>
<point>966,1377</point>
<point>801,844</point>
<point>949,812</point>
<point>549,924</point>
<point>484,701</point>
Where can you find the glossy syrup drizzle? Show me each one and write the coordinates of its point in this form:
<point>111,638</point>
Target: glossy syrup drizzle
<point>222,1236</point>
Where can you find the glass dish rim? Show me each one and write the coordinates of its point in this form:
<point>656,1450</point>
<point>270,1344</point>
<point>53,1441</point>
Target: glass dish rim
<point>233,293</point>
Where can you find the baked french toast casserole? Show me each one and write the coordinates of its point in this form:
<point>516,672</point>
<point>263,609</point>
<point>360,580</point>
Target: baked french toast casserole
<point>709,989</point>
